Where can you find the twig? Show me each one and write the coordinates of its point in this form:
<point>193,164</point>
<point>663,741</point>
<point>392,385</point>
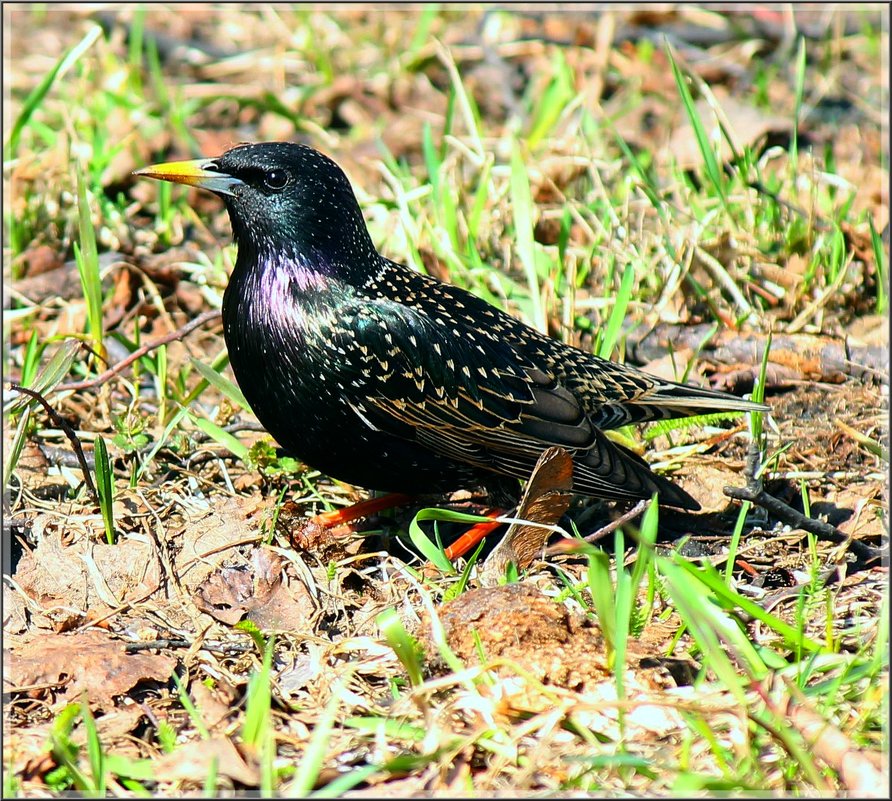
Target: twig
<point>199,321</point>
<point>94,353</point>
<point>612,526</point>
<point>226,647</point>
<point>787,514</point>
<point>60,422</point>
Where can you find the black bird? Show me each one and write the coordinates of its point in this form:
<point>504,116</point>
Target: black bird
<point>392,380</point>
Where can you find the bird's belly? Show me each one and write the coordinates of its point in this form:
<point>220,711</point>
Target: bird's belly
<point>313,420</point>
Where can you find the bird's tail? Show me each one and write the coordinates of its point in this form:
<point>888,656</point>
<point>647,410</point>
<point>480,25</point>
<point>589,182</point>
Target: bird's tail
<point>608,470</point>
<point>667,400</point>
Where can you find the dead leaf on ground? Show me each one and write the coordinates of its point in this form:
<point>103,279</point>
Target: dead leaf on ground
<point>88,661</point>
<point>210,538</point>
<point>214,705</point>
<point>15,616</point>
<point>545,499</point>
<point>68,580</point>
<point>193,762</point>
<point>267,592</point>
<point>707,479</point>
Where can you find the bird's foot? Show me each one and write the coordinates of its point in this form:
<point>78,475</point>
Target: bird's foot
<point>327,528</point>
<point>338,522</point>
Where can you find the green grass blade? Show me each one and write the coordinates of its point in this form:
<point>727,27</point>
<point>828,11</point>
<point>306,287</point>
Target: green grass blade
<point>406,647</point>
<point>392,728</point>
<point>661,427</point>
<point>617,314</point>
<point>522,211</point>
<point>105,487</point>
<point>258,700</point>
<point>209,790</point>
<point>221,437</point>
<point>95,753</point>
<point>882,266</point>
<point>706,622</point>
<point>221,383</point>
<point>426,546</point>
<point>708,577</point>
<point>15,449</point>
<point>459,587</point>
<point>49,375</point>
<point>710,162</point>
<point>311,764</point>
<point>87,259</point>
<point>347,781</point>
<point>37,95</point>
<point>557,95</point>
<point>191,709</point>
<point>603,597</point>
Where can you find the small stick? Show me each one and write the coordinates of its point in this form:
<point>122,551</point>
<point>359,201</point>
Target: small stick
<point>613,525</point>
<point>60,422</point>
<point>199,321</point>
<point>787,514</point>
<point>226,648</point>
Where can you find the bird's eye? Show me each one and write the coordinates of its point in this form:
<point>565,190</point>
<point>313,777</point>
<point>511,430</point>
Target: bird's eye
<point>276,179</point>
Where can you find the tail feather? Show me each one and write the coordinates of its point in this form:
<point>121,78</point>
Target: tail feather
<point>669,400</point>
<point>608,470</point>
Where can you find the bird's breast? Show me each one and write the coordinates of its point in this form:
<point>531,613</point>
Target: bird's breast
<point>272,322</point>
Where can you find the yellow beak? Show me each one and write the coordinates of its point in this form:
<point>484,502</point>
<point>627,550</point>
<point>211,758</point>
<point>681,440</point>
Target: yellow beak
<point>202,173</point>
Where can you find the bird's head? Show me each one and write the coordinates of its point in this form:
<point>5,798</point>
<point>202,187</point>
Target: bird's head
<point>285,200</point>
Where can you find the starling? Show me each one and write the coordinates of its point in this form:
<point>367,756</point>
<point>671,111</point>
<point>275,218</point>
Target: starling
<point>388,379</point>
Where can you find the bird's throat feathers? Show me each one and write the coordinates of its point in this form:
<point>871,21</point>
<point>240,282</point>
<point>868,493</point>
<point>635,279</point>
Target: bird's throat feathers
<point>281,284</point>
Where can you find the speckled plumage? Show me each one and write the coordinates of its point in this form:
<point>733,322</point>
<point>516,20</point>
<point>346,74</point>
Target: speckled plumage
<point>392,380</point>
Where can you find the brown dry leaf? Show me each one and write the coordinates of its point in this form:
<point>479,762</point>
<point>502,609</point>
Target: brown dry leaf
<point>545,499</point>
<point>213,705</point>
<point>864,499</point>
<point>267,593</point>
<point>671,365</point>
<point>211,538</point>
<point>88,661</point>
<point>38,259</point>
<point>64,282</point>
<point>225,595</point>
<point>15,618</point>
<point>67,580</point>
<point>706,481</point>
<point>193,762</point>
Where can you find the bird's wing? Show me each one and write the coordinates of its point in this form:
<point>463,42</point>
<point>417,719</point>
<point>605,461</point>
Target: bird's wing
<point>428,371</point>
<point>619,395</point>
<point>476,398</point>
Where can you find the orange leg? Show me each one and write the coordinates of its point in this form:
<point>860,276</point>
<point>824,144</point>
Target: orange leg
<point>348,514</point>
<point>473,535</point>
